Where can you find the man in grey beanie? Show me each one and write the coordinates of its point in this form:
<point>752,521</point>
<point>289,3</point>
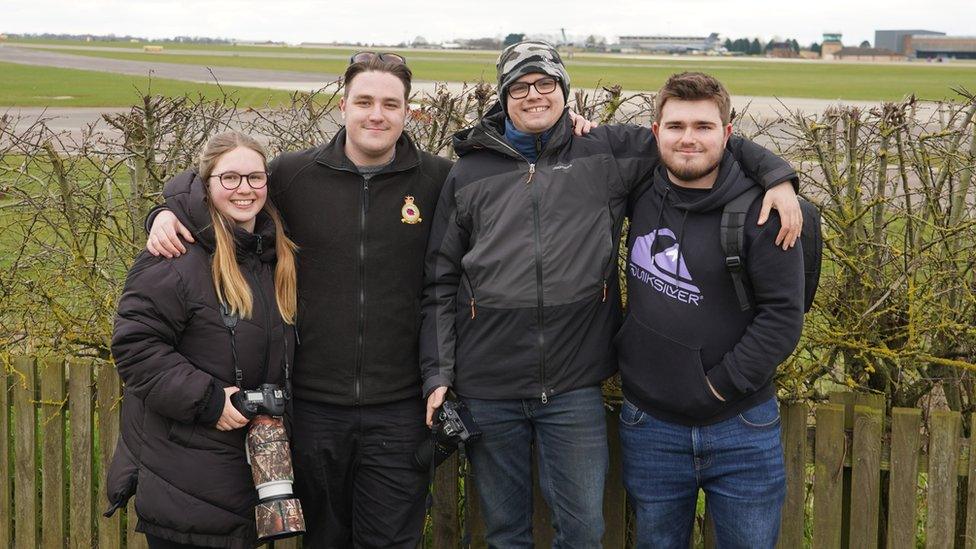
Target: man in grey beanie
<point>521,300</point>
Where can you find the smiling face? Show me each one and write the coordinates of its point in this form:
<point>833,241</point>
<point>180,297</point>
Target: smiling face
<point>536,112</point>
<point>374,109</point>
<point>242,204</point>
<point>691,138</point>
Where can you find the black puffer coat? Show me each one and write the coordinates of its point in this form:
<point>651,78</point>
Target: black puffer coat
<point>173,352</point>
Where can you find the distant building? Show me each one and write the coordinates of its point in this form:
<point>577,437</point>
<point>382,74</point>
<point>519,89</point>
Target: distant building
<point>831,44</point>
<point>671,44</point>
<point>781,50</point>
<point>940,47</point>
<point>894,40</point>
<point>867,54</point>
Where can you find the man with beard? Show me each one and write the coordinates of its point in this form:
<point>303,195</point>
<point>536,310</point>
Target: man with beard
<point>700,408</point>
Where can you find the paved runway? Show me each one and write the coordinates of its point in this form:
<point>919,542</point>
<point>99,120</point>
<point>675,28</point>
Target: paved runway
<point>73,118</point>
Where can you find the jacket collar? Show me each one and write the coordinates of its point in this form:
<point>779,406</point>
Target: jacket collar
<point>333,154</point>
<point>489,133</point>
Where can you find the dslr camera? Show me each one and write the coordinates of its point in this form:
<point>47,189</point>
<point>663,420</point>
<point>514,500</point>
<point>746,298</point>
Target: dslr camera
<point>267,400</point>
<point>452,426</point>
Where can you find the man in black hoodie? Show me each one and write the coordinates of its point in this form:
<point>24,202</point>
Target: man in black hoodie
<point>700,409</point>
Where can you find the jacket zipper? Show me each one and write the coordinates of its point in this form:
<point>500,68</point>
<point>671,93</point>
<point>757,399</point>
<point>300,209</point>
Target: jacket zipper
<point>538,286</point>
<point>614,255</point>
<point>267,312</point>
<point>544,397</point>
<point>361,332</point>
<point>471,292</point>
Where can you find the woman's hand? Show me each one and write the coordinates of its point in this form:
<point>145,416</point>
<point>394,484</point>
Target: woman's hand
<point>230,419</point>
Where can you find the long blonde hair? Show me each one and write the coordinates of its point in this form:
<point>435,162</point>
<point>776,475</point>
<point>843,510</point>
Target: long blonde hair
<point>229,282</point>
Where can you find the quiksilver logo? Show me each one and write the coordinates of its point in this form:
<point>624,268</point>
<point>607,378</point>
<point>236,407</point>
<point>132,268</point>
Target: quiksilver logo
<point>562,167</point>
<point>665,271</point>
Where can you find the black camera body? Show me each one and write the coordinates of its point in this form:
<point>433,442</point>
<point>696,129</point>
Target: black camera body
<point>268,400</point>
<point>453,425</point>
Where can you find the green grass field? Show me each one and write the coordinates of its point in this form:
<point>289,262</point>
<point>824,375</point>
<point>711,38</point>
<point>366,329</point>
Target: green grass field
<point>31,86</point>
<point>742,77</point>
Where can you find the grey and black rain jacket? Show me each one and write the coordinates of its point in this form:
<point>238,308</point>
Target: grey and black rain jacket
<point>521,297</point>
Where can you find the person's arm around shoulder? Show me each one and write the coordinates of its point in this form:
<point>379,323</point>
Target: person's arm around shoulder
<point>776,277</point>
<point>779,179</point>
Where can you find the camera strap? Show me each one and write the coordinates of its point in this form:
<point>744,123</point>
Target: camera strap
<point>230,322</point>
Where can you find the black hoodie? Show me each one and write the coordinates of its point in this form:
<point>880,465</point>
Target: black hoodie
<point>684,322</point>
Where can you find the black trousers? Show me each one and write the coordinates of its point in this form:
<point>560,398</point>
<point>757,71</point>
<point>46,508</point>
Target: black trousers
<point>354,473</point>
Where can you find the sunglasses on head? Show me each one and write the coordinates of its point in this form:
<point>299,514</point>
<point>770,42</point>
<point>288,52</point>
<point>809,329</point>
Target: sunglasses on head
<point>365,56</point>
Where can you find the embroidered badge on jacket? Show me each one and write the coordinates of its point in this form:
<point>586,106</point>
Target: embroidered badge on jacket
<point>410,212</point>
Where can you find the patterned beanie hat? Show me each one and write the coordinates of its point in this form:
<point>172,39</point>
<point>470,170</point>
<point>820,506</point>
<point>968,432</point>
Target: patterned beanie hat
<point>527,57</point>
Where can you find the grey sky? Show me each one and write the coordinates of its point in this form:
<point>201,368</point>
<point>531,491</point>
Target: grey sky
<point>397,21</point>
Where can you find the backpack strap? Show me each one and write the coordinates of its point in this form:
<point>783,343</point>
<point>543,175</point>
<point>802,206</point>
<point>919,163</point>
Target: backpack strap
<point>732,235</point>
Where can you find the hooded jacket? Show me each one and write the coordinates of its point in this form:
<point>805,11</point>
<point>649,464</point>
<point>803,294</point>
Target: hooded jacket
<point>360,268</point>
<point>684,325</point>
<point>521,299</point>
<point>174,354</point>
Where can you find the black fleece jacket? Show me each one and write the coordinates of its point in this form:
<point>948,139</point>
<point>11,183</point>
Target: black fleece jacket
<point>684,323</point>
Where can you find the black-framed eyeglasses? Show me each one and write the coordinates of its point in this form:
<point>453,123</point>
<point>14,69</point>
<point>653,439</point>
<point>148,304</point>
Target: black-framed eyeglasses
<point>232,180</point>
<point>389,57</point>
<point>544,85</point>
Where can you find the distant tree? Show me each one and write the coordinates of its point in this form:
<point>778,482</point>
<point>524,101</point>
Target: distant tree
<point>514,38</point>
<point>728,44</point>
<point>741,45</point>
<point>815,47</point>
<point>795,45</point>
<point>769,46</point>
<point>595,42</point>
<point>484,44</point>
<point>865,44</point>
<point>755,48</point>
<point>420,42</point>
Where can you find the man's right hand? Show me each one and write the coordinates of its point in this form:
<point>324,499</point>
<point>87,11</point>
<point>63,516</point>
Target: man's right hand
<point>434,401</point>
<point>164,236</point>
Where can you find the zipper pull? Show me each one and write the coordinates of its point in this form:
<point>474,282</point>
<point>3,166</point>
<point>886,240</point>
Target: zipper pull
<point>472,309</point>
<point>604,291</point>
<point>260,246</point>
<point>545,398</point>
<point>531,173</point>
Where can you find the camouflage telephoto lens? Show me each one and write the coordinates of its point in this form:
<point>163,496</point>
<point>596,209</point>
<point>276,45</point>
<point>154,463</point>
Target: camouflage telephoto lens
<point>279,513</point>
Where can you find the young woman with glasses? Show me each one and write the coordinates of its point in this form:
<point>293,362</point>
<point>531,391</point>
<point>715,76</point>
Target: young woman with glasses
<point>190,332</point>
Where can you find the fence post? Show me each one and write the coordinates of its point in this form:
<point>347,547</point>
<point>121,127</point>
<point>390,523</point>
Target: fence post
<point>444,512</point>
<point>903,480</point>
<point>866,477</point>
<point>52,464</point>
<point>81,493</point>
<point>25,455</point>
<point>828,476</point>
<point>794,429</point>
<point>944,430</point>
<point>473,520</point>
<point>5,501</point>
<point>109,529</point>
<point>614,496</point>
<point>971,496</point>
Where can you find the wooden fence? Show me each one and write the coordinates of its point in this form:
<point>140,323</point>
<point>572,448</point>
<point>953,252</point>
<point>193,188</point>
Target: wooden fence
<point>855,477</point>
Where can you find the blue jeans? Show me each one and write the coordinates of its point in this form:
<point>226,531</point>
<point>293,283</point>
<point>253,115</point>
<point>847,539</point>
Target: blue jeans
<point>737,462</point>
<point>570,437</point>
